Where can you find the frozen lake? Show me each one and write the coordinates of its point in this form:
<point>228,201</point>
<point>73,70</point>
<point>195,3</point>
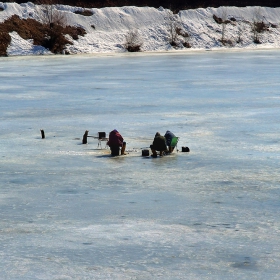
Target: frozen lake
<point>70,211</point>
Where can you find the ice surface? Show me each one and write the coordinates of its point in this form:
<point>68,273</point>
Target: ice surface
<point>70,211</point>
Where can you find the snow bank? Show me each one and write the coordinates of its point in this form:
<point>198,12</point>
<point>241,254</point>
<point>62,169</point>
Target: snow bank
<point>20,46</point>
<point>107,27</point>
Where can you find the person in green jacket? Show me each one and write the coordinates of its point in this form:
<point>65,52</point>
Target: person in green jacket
<point>159,144</point>
<point>168,137</point>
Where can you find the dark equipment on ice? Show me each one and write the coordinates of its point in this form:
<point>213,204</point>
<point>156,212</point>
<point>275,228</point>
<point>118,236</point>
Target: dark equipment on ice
<point>42,133</point>
<point>85,137</point>
<point>145,153</point>
<point>185,149</point>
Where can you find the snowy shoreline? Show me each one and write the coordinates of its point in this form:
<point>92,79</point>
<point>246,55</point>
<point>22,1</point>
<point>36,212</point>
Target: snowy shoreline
<point>107,28</point>
<point>141,54</point>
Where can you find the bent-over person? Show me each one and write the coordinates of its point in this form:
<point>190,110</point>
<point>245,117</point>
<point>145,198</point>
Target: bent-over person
<point>159,144</point>
<point>115,142</point>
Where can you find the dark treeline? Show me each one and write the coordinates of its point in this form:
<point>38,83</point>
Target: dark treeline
<point>174,5</point>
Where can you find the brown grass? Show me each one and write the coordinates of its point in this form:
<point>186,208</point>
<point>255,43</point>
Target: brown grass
<point>181,32</point>
<point>187,45</point>
<point>86,13</point>
<point>220,20</point>
<point>261,27</point>
<point>134,48</point>
<point>51,38</point>
<point>225,42</point>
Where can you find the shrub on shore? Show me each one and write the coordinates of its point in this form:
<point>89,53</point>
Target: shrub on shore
<point>133,41</point>
<point>51,37</point>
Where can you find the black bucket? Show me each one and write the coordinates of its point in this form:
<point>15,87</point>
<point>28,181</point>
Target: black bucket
<point>185,149</point>
<point>145,153</point>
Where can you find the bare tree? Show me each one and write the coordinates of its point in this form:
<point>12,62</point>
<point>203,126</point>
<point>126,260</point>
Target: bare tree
<point>224,16</point>
<point>54,22</point>
<point>258,25</point>
<point>223,21</point>
<point>177,36</point>
<point>183,34</point>
<point>49,14</point>
<point>254,27</point>
<point>133,41</point>
<point>240,31</point>
<point>172,26</point>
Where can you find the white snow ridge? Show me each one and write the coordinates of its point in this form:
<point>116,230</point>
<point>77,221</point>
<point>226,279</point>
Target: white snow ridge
<point>107,28</point>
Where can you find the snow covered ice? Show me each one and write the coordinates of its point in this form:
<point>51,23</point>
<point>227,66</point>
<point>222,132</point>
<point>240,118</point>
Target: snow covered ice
<point>70,211</point>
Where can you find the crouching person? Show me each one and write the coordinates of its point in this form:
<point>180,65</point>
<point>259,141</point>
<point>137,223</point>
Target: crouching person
<point>159,144</point>
<point>115,143</point>
<point>168,137</point>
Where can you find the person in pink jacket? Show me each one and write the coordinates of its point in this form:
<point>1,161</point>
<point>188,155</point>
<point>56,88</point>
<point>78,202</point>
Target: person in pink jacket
<point>115,142</point>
